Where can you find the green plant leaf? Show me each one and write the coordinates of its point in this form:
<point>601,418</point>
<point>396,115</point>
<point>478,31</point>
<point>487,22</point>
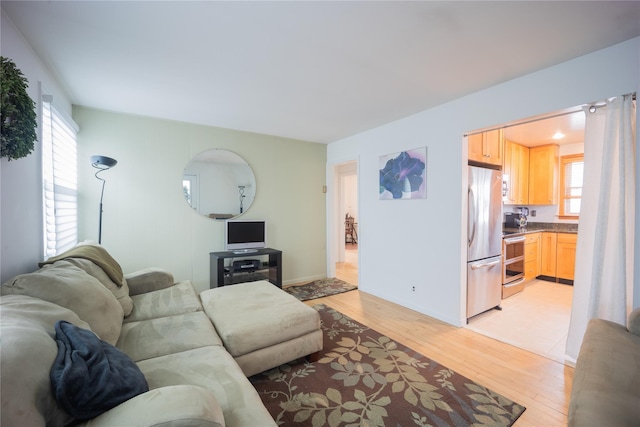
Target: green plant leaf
<point>18,120</point>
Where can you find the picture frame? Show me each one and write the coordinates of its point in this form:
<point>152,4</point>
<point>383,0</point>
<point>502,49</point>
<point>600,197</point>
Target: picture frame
<point>403,175</point>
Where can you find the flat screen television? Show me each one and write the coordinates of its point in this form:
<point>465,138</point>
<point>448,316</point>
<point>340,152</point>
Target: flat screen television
<point>245,236</point>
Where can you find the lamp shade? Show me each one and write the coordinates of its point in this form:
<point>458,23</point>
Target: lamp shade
<point>103,162</point>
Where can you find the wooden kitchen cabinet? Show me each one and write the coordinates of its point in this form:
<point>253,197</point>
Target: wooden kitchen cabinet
<point>557,256</point>
<point>548,253</point>
<point>486,147</point>
<point>516,173</point>
<point>566,255</point>
<point>543,175</point>
<point>532,255</point>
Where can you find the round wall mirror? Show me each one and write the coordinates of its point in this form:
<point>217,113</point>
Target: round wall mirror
<point>219,184</point>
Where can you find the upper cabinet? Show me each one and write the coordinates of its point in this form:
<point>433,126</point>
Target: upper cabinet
<point>516,173</point>
<point>543,175</point>
<point>486,147</point>
<point>530,174</point>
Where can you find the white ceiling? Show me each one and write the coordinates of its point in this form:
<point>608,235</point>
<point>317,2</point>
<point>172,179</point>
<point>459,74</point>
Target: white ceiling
<point>311,70</point>
<point>541,130</point>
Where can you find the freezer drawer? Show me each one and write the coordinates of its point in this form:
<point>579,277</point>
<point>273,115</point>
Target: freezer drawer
<point>484,285</point>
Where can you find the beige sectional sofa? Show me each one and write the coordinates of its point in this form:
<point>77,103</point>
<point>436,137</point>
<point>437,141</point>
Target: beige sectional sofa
<point>160,325</point>
<point>606,382</point>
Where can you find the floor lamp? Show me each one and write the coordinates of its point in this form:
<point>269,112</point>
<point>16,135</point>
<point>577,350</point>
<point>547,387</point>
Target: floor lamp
<point>102,163</point>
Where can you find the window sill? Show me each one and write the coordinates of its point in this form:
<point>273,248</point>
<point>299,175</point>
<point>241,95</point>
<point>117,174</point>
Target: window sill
<point>575,217</point>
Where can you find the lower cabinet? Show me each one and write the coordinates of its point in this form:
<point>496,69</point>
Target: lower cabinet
<point>532,256</point>
<point>548,258</point>
<point>558,255</point>
<point>566,256</point>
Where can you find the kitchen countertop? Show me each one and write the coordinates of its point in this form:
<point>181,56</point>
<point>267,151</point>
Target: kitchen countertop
<point>537,227</point>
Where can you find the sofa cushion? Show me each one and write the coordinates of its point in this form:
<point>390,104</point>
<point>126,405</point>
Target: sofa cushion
<point>606,380</point>
<point>214,369</point>
<point>175,406</point>
<point>166,335</point>
<point>178,299</point>
<point>89,375</point>
<point>633,323</point>
<point>148,280</point>
<point>65,284</point>
<point>26,355</point>
<point>120,292</point>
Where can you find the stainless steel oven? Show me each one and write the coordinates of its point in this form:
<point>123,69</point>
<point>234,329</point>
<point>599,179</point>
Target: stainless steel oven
<point>513,265</point>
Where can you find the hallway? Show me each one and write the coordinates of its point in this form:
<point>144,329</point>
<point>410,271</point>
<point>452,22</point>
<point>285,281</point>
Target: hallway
<point>348,270</point>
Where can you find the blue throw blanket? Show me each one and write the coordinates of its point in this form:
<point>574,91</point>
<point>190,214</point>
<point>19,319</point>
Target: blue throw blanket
<point>90,376</point>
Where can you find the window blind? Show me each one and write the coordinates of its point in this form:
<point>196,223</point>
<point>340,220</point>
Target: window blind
<point>60,181</point>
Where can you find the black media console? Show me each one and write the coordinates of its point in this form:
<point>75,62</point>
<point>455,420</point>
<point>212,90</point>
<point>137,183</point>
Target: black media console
<point>256,264</point>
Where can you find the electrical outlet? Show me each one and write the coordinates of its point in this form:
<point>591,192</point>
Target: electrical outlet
<point>413,288</point>
<point>533,212</point>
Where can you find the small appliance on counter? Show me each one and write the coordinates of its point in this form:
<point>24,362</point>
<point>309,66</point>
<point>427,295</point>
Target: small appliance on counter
<point>516,219</point>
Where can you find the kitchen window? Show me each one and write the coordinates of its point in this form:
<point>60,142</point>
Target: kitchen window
<point>571,172</point>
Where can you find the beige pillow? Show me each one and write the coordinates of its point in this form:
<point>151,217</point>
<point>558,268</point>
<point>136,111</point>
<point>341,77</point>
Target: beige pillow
<point>26,355</point>
<point>65,284</point>
<point>120,292</point>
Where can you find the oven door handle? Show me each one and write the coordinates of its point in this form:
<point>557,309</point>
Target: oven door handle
<point>488,264</point>
<point>512,240</point>
<point>515,283</point>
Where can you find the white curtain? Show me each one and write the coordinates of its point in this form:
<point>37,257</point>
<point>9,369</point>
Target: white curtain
<point>603,281</point>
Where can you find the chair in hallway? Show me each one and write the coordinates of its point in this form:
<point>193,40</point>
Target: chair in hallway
<point>350,232</point>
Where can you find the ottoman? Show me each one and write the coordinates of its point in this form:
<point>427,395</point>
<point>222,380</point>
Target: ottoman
<point>262,326</point>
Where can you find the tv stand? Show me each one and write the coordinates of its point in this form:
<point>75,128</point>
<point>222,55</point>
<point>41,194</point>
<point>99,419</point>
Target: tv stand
<point>271,270</point>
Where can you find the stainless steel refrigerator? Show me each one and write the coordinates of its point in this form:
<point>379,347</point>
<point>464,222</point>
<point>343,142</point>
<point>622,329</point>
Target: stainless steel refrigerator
<point>484,234</point>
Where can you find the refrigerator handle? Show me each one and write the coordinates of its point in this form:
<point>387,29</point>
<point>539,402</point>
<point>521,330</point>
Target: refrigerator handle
<point>471,234</point>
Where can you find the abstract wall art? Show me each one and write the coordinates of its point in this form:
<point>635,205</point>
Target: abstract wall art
<point>404,175</point>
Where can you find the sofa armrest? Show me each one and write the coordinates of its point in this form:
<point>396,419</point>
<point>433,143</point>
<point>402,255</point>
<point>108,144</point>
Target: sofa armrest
<point>633,325</point>
<point>147,280</point>
<point>179,405</point>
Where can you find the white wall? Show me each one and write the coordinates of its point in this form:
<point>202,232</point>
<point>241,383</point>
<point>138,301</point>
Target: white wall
<point>406,243</point>
<point>20,180</point>
<point>146,220</point>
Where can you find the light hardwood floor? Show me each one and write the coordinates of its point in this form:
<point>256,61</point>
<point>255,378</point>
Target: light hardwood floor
<point>348,270</point>
<point>542,385</point>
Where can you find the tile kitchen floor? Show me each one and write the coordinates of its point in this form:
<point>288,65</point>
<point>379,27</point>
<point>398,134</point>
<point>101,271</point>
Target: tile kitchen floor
<point>536,319</point>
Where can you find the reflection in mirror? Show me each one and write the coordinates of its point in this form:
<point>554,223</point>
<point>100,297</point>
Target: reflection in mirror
<point>219,184</point>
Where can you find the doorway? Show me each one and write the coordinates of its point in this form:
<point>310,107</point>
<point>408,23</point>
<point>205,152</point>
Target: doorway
<point>537,318</point>
<point>346,216</point>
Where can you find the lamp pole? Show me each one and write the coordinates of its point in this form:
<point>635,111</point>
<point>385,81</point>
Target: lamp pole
<point>102,163</point>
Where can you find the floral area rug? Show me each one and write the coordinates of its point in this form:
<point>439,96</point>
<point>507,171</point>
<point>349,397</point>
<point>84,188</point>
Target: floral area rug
<point>364,378</point>
<point>319,288</point>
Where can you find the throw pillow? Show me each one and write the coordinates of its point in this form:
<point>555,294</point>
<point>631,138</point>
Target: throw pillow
<point>89,375</point>
<point>68,286</point>
<point>120,292</point>
<point>26,355</point>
